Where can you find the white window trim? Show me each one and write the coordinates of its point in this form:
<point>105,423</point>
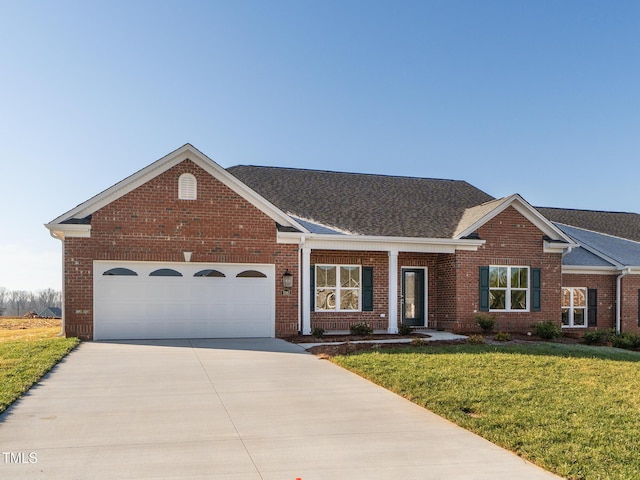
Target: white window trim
<point>572,308</point>
<point>508,289</point>
<point>187,187</point>
<point>337,287</point>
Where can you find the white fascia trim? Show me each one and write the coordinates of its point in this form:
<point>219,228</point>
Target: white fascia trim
<point>578,270</point>
<point>160,166</point>
<point>530,213</point>
<point>62,231</point>
<point>584,270</point>
<point>376,244</point>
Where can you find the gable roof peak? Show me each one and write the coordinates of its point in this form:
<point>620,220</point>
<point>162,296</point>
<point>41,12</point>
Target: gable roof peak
<point>474,217</point>
<point>74,217</point>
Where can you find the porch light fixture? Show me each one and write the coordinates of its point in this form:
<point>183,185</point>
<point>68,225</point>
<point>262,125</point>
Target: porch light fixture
<point>287,280</point>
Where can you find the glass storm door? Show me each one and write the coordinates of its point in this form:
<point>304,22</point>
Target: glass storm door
<point>413,297</point>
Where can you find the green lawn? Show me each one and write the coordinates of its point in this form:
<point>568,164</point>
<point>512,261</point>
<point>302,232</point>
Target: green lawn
<point>26,356</point>
<point>572,409</point>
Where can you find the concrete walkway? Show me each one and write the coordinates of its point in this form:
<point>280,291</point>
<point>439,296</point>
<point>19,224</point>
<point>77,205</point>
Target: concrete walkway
<point>231,409</point>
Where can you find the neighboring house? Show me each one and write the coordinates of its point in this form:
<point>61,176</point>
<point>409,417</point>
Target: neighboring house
<point>184,248</point>
<point>50,312</point>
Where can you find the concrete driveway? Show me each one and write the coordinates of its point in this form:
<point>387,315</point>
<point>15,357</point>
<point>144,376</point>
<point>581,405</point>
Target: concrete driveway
<point>231,409</point>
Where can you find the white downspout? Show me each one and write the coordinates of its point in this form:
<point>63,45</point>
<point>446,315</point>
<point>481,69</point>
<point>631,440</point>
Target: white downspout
<point>306,292</point>
<point>62,302</point>
<point>619,297</point>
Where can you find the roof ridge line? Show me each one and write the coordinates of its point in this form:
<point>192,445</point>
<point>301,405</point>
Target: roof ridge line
<point>386,175</point>
<point>588,210</point>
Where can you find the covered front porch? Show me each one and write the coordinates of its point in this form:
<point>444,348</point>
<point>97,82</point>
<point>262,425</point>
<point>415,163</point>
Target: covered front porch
<point>381,281</point>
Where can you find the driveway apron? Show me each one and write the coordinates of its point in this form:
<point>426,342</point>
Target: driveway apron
<point>231,409</point>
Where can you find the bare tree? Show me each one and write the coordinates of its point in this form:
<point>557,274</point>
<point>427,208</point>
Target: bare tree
<point>3,299</point>
<point>47,298</point>
<point>19,300</point>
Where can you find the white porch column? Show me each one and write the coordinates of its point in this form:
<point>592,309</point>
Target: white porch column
<point>393,291</point>
<point>306,291</point>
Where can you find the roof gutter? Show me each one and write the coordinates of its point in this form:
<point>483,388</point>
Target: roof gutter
<point>624,273</point>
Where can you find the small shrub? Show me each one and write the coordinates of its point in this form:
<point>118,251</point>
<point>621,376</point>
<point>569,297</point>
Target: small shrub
<point>475,339</point>
<point>361,329</point>
<point>485,321</point>
<point>418,342</point>
<point>548,330</point>
<point>502,337</point>
<point>625,340</point>
<point>317,332</point>
<point>595,336</point>
<point>404,329</point>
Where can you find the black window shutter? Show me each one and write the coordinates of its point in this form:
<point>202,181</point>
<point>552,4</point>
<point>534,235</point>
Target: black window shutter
<point>536,284</point>
<point>367,289</point>
<point>484,289</point>
<point>592,307</point>
<point>312,286</point>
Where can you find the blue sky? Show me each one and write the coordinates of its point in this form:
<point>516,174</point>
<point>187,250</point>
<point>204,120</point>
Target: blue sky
<point>537,97</point>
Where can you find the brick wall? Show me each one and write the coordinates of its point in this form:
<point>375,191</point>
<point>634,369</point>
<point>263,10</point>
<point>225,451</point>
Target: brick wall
<point>444,309</point>
<point>340,321</point>
<point>511,240</point>
<point>453,279</point>
<point>629,312</point>
<point>152,224</point>
<point>606,286</point>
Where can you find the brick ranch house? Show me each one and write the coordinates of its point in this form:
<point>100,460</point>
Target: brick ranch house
<point>185,248</point>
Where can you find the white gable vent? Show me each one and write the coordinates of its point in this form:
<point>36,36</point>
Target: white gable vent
<point>187,187</point>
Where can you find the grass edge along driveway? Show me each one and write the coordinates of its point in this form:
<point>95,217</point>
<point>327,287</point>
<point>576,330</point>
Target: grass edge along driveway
<point>571,409</point>
<point>24,362</point>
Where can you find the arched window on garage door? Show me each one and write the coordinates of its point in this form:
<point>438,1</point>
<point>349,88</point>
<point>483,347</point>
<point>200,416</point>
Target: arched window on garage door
<point>120,271</point>
<point>251,274</point>
<point>165,272</point>
<point>209,273</point>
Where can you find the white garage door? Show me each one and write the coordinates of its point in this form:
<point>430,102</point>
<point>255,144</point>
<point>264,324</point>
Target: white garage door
<point>147,300</point>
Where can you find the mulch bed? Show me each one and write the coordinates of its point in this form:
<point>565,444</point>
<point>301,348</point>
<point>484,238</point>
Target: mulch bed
<point>350,347</point>
<point>349,338</point>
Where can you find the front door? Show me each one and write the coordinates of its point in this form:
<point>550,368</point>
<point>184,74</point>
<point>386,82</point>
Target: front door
<point>413,297</point>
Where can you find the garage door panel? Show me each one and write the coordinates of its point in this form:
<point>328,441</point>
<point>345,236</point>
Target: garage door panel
<point>143,306</point>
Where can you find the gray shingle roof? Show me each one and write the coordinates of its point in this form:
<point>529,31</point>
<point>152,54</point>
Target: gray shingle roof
<point>619,224</point>
<point>365,204</point>
<point>624,252</point>
<point>583,258</point>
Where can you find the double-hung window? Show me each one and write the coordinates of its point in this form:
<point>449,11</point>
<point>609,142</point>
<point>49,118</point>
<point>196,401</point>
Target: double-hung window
<point>337,288</point>
<point>574,307</point>
<point>508,288</point>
